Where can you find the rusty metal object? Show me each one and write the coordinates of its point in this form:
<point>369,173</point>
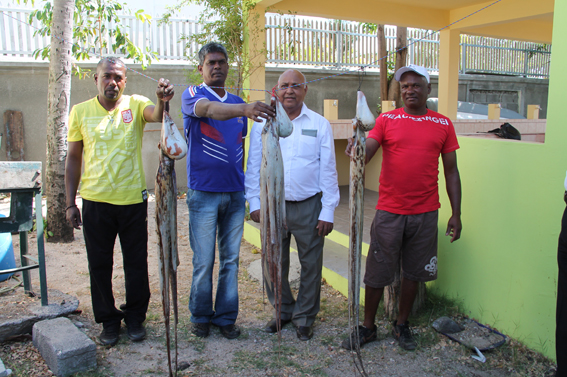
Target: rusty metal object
<point>172,147</point>
<point>272,203</point>
<point>363,122</point>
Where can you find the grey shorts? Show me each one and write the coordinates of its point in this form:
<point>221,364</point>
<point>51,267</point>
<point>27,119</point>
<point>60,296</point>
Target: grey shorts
<point>411,238</point>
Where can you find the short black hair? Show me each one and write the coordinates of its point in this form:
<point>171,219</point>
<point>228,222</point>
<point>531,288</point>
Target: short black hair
<point>211,47</point>
<point>111,60</point>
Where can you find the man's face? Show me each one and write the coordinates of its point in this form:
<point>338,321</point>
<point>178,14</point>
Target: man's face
<point>214,69</point>
<point>415,90</point>
<point>110,80</point>
<point>290,91</point>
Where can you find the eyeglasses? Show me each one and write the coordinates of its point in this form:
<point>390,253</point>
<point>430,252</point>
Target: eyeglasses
<point>294,87</point>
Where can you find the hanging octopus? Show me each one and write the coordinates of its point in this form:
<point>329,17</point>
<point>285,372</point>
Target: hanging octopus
<point>272,202</point>
<point>363,122</point>
<point>172,147</point>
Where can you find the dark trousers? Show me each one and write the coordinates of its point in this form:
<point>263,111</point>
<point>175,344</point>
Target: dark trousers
<point>102,222</point>
<point>301,218</point>
<point>561,329</point>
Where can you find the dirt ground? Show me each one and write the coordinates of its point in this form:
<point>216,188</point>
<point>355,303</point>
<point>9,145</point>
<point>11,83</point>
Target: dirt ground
<point>254,353</point>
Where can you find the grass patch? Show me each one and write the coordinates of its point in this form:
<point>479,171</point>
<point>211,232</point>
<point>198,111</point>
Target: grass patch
<point>436,306</point>
<point>197,343</point>
<point>153,317</point>
<point>202,367</point>
<point>280,360</point>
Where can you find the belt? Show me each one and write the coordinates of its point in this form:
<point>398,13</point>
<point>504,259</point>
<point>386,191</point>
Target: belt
<point>304,200</point>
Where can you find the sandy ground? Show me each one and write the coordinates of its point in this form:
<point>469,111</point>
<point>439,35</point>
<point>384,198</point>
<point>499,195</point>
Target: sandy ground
<point>254,353</point>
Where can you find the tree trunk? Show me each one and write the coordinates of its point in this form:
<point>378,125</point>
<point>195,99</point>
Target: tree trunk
<point>383,54</point>
<point>57,116</point>
<point>394,93</point>
<point>392,297</point>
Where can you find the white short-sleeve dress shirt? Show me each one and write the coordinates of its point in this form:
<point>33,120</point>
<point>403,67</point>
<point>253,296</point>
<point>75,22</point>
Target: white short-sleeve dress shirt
<point>309,163</point>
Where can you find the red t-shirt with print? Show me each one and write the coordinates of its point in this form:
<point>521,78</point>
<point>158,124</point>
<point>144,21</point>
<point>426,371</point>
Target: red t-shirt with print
<point>411,146</point>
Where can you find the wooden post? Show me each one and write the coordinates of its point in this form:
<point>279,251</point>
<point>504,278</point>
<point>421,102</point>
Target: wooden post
<point>14,123</point>
<point>392,297</point>
<point>494,110</point>
<point>383,54</point>
<point>394,92</point>
<point>533,111</point>
<point>331,109</point>
<point>388,106</point>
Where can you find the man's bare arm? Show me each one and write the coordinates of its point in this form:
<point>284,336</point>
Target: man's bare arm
<point>224,111</point>
<point>73,168</point>
<point>453,185</point>
<point>164,93</point>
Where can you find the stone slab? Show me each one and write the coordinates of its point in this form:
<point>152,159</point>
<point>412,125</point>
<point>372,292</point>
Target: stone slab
<point>18,312</point>
<point>3,371</point>
<point>65,349</point>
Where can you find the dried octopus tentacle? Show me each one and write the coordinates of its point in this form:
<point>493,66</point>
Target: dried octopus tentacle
<point>272,204</point>
<point>363,122</point>
<point>172,147</point>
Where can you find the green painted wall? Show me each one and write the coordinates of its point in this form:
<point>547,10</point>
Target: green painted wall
<point>504,267</point>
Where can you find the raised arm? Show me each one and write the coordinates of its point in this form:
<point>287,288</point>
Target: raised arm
<point>224,111</point>
<point>164,93</point>
<point>453,185</point>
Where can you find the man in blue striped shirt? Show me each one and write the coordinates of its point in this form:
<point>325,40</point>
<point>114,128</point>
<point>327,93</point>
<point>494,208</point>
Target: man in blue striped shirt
<point>215,124</point>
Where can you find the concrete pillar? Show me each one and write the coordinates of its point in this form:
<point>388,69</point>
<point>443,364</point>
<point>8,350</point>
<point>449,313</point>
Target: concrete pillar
<point>331,109</point>
<point>533,111</point>
<point>253,44</point>
<point>254,41</point>
<point>494,110</point>
<point>449,58</point>
<point>388,106</point>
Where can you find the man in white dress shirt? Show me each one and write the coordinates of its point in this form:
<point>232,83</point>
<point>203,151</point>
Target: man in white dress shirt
<point>311,194</point>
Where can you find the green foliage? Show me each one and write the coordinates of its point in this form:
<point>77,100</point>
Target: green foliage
<point>97,32</point>
<point>543,47</point>
<point>369,28</point>
<point>46,233</point>
<point>228,22</point>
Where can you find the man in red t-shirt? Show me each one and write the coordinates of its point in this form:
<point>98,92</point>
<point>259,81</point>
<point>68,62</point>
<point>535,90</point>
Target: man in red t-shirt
<point>405,224</point>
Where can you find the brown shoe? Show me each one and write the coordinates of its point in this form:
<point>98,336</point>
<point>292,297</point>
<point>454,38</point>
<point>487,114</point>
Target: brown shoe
<point>110,334</point>
<point>272,327</point>
<point>402,333</point>
<point>201,329</point>
<point>230,331</point>
<point>304,332</point>
<point>364,336</point>
<point>136,331</point>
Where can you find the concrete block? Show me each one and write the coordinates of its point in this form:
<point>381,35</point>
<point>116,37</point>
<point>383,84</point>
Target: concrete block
<point>65,349</point>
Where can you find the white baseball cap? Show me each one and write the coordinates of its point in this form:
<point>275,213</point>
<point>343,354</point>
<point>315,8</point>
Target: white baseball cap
<point>412,68</point>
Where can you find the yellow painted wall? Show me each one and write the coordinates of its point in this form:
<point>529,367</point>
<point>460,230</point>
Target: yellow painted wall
<point>504,268</point>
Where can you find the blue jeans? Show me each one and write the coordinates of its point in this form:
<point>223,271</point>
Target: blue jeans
<point>209,211</point>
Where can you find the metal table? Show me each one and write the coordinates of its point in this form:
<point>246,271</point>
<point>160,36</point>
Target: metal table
<point>21,180</point>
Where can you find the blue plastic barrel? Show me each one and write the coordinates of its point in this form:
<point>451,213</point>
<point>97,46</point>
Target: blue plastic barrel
<point>7,260</point>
